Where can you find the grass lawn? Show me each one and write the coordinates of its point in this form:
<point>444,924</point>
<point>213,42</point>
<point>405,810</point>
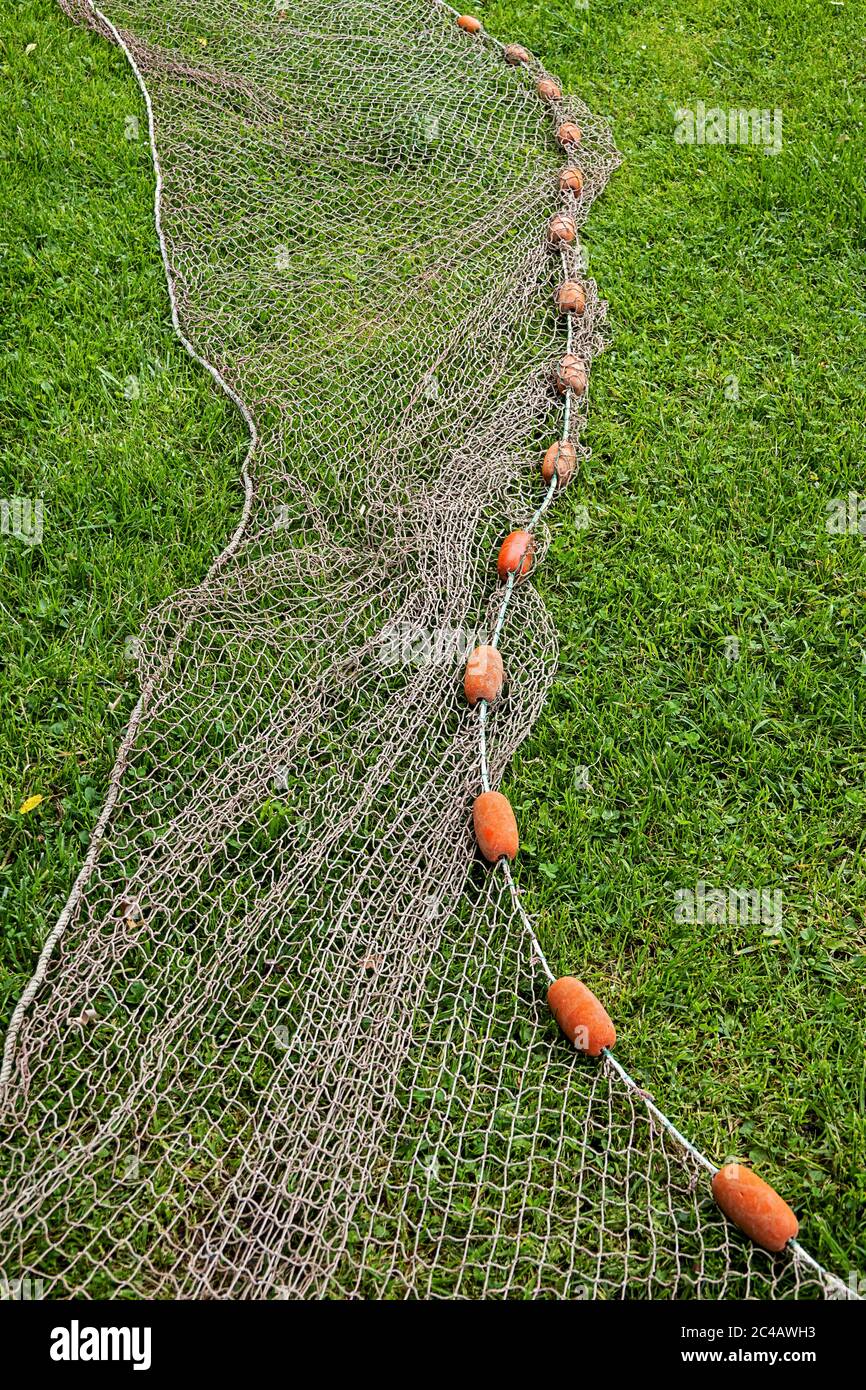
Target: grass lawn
<point>104,417</point>
<point>707,723</point>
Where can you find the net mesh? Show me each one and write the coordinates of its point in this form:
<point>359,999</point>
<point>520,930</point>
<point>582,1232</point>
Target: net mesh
<point>290,1040</point>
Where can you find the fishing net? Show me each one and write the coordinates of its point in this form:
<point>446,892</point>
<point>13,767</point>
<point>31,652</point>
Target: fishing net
<point>288,1038</point>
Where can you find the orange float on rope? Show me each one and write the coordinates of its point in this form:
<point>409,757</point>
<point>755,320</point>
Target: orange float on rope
<point>495,827</point>
<point>560,459</point>
<point>484,675</point>
<point>571,375</point>
<point>515,555</point>
<point>571,297</point>
<point>570,181</point>
<point>561,230</point>
<point>582,1018</point>
<point>548,90</point>
<point>469,23</point>
<point>754,1206</point>
<point>515,53</point>
<point>568,133</point>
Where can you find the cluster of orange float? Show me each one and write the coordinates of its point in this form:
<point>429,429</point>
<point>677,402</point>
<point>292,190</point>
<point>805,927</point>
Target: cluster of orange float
<point>745,1198</point>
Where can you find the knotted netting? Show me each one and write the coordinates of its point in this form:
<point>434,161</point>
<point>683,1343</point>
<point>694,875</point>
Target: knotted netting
<point>288,1039</point>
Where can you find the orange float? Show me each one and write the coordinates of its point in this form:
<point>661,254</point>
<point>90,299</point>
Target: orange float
<point>484,675</point>
<point>495,827</point>
<point>561,230</point>
<point>571,297</point>
<point>515,53</point>
<point>583,1019</point>
<point>570,181</point>
<point>469,23</point>
<point>548,90</point>
<point>515,555</point>
<point>568,133</point>
<point>754,1206</point>
<point>560,459</point>
<point>571,375</point>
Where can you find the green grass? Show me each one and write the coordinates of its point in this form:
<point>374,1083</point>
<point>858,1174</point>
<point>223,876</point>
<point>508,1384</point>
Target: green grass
<point>132,449</point>
<point>707,521</point>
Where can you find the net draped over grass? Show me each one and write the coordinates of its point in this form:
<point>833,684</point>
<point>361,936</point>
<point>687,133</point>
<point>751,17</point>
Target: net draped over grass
<point>281,1050</point>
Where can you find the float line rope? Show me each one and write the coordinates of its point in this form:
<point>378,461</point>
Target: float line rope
<point>483,708</point>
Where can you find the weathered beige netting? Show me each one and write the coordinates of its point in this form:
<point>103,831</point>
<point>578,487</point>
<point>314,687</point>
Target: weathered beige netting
<point>286,1041</point>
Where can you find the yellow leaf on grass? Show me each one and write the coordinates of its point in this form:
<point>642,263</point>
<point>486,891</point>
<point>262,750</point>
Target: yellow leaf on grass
<point>29,805</point>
